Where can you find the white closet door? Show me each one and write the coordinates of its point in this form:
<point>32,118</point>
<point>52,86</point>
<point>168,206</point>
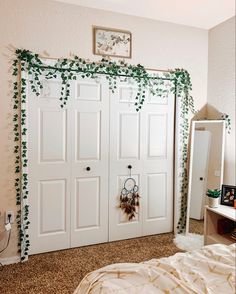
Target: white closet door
<point>145,141</point>
<point>49,170</point>
<point>158,165</point>
<point>68,203</point>
<point>89,171</point>
<point>125,150</point>
<point>69,173</point>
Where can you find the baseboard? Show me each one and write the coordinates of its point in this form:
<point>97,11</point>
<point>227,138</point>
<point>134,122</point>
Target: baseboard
<point>10,260</point>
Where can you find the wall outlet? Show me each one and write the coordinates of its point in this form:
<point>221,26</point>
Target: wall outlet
<point>11,213</point>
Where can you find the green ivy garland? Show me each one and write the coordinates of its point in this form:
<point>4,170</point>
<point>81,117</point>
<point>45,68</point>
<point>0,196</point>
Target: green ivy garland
<point>227,120</point>
<point>177,81</point>
<point>20,150</point>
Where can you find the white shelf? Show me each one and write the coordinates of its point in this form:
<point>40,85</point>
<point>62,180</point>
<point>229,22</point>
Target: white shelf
<point>226,211</point>
<point>212,215</point>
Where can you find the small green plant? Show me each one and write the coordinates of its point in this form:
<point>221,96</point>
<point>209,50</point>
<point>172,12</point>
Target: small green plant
<point>215,193</point>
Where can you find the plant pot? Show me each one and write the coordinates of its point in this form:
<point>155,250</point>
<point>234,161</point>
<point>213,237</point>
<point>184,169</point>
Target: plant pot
<point>213,202</point>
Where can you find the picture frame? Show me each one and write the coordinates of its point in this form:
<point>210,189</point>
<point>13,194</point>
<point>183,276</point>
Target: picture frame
<point>112,42</point>
<point>228,195</point>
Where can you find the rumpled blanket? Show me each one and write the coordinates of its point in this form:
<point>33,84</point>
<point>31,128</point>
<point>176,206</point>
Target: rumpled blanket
<point>208,270</point>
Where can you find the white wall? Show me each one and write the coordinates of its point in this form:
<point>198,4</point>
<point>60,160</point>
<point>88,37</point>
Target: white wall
<point>221,86</point>
<point>59,29</point>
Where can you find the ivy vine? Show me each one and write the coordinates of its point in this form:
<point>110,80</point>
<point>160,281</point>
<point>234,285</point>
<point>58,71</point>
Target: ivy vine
<point>159,84</point>
<point>227,120</point>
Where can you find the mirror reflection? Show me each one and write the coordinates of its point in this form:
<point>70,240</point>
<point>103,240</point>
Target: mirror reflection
<point>205,170</point>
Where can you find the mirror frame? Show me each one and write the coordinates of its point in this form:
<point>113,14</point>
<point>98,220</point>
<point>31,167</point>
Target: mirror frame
<point>191,162</point>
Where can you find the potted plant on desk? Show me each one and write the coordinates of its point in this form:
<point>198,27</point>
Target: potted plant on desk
<point>213,197</point>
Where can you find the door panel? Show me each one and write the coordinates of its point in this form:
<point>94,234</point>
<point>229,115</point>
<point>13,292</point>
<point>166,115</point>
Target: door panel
<point>52,140</point>
<point>157,130</point>
<point>52,196</point>
<point>51,89</point>
<point>127,93</point>
<point>88,90</point>
<point>129,135</point>
<point>87,202</point>
<point>156,196</point>
<point>89,138</point>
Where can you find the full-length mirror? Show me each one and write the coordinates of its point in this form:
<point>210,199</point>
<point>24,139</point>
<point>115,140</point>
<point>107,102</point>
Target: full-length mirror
<point>205,170</point>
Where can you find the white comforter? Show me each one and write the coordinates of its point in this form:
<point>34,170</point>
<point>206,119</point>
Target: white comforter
<point>208,270</point>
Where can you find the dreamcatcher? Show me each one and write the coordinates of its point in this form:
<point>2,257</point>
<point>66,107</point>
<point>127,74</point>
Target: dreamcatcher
<point>129,197</point>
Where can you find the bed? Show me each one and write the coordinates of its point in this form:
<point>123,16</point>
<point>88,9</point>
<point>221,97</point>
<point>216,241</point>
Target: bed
<point>208,270</point>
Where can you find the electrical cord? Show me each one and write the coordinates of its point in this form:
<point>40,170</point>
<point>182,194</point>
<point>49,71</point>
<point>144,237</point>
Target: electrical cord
<point>8,241</point>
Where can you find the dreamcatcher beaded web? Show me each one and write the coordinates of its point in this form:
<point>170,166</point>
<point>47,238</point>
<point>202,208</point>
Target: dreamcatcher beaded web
<point>129,197</point>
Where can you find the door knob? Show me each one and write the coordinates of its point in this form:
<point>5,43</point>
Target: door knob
<point>129,166</point>
<point>88,168</point>
<point>201,178</point>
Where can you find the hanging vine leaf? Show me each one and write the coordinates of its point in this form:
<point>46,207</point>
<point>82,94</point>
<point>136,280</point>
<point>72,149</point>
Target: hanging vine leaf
<point>227,120</point>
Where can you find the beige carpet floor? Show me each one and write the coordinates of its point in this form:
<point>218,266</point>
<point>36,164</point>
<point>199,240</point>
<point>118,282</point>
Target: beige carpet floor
<point>60,272</point>
<point>196,226</point>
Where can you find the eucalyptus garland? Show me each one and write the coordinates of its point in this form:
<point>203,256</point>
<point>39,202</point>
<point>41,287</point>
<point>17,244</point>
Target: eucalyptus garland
<point>160,84</point>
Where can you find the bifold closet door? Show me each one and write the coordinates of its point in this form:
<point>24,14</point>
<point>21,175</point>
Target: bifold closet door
<point>89,169</point>
<point>70,179</point>
<point>49,167</point>
<point>68,166</point>
<point>144,140</point>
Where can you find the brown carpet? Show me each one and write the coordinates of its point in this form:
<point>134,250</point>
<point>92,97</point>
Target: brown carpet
<point>196,226</point>
<point>61,271</point>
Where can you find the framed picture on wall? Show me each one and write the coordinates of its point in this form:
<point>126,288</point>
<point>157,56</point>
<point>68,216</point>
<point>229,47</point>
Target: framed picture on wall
<point>228,194</point>
<point>112,42</point>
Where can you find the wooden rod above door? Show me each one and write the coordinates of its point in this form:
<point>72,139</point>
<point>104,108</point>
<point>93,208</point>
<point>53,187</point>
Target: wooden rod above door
<point>147,68</point>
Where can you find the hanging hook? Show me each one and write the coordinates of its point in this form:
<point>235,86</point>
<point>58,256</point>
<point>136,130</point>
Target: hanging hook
<point>129,167</point>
